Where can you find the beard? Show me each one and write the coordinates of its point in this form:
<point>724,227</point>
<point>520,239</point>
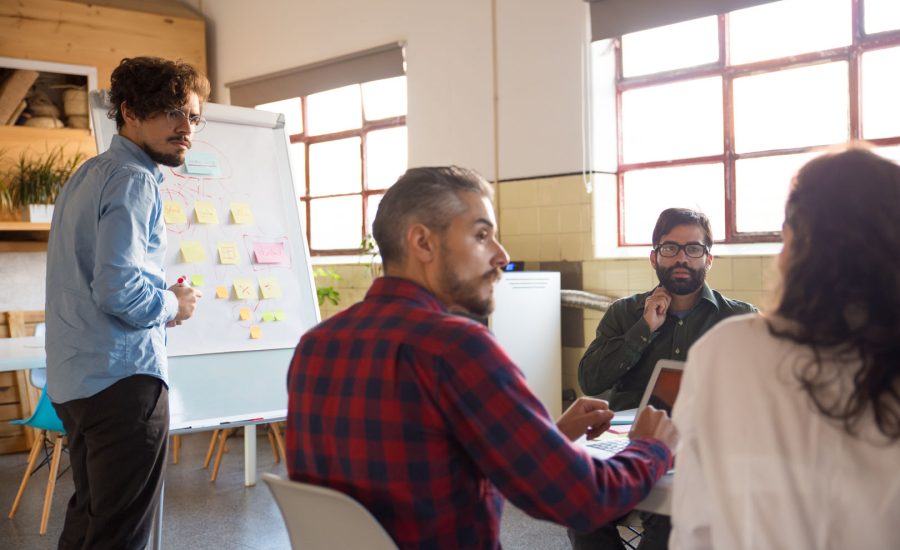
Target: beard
<point>681,287</point>
<point>166,159</point>
<point>466,294</point>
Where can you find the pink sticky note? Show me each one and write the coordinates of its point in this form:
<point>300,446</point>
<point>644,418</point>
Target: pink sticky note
<point>269,253</point>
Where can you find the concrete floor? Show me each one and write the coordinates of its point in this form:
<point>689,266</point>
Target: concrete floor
<point>199,515</point>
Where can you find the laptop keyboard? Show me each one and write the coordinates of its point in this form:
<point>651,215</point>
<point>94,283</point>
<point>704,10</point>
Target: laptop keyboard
<point>610,445</point>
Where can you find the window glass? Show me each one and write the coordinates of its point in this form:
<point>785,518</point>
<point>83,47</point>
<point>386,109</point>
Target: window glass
<point>649,192</point>
<point>761,187</point>
<point>674,120</point>
<point>881,15</point>
<point>335,167</point>
<point>336,222</point>
<point>372,202</point>
<point>386,157</point>
<point>334,111</point>
<point>881,93</point>
<point>384,98</point>
<point>675,46</point>
<point>791,108</point>
<point>292,110</point>
<point>790,27</point>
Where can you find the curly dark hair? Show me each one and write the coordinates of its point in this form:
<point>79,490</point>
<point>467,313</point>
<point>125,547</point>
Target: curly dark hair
<point>842,284</point>
<point>151,85</point>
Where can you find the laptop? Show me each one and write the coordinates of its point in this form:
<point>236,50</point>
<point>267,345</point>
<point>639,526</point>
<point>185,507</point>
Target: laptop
<point>661,391</point>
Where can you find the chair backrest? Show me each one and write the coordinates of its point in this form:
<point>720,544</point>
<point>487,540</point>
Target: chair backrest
<point>44,417</point>
<point>320,518</point>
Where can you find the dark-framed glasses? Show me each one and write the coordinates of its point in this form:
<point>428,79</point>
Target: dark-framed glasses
<point>177,116</point>
<point>691,250</point>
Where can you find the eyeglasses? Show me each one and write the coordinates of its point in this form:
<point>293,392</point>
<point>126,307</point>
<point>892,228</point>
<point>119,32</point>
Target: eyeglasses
<point>692,250</point>
<point>177,116</point>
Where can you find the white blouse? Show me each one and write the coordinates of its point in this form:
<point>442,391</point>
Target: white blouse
<point>759,467</point>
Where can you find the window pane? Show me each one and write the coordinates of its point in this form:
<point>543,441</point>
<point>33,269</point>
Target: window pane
<point>336,223</point>
<point>335,167</point>
<point>761,188</point>
<point>880,91</point>
<point>791,27</point>
<point>792,108</point>
<point>384,98</point>
<point>334,111</point>
<point>292,109</point>
<point>677,120</point>
<point>297,154</point>
<point>671,47</point>
<point>649,192</point>
<point>881,15</point>
<point>372,203</point>
<point>891,152</point>
<point>385,157</point>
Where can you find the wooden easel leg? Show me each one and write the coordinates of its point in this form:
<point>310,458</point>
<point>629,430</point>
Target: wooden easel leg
<point>211,448</point>
<point>176,448</point>
<point>276,431</point>
<point>32,459</point>
<point>51,483</point>
<point>223,434</point>
<point>273,444</point>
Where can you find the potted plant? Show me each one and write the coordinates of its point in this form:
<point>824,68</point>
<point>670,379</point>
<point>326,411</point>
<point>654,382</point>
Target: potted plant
<point>34,182</point>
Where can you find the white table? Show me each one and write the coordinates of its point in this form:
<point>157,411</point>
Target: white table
<point>22,353</point>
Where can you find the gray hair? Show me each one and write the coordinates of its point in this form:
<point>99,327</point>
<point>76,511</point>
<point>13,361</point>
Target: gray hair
<point>427,195</point>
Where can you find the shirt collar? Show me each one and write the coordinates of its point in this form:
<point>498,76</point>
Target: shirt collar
<point>129,148</point>
<point>404,289</point>
<point>707,294</point>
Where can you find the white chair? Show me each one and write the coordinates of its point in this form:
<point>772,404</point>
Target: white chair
<point>319,518</point>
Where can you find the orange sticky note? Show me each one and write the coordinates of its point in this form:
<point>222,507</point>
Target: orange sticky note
<point>255,332</point>
<point>221,292</point>
<point>245,314</point>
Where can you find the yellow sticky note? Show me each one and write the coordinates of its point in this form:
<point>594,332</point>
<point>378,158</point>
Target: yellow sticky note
<point>197,280</point>
<point>241,213</point>
<point>244,289</point>
<point>205,212</point>
<point>173,213</point>
<point>193,252</point>
<point>269,287</point>
<point>221,292</point>
<point>245,314</point>
<point>268,316</point>
<point>279,315</point>
<point>255,332</point>
<point>228,253</point>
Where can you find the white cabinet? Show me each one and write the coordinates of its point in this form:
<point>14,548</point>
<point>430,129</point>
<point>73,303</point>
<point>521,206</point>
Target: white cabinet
<point>526,322</point>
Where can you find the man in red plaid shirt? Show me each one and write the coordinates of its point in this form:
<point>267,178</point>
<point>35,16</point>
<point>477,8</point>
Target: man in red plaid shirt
<point>417,413</point>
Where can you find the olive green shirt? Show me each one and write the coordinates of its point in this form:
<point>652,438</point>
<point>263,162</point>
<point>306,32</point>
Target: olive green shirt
<point>622,356</point>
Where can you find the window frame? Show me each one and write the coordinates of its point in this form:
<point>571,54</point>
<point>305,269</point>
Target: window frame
<point>852,54</point>
<point>362,132</point>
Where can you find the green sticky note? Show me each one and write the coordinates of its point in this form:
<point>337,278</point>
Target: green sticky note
<point>268,316</point>
<point>279,315</point>
<point>197,280</point>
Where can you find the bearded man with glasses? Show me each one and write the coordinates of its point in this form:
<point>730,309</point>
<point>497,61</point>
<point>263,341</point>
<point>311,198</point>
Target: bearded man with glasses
<point>108,306</point>
<point>662,323</point>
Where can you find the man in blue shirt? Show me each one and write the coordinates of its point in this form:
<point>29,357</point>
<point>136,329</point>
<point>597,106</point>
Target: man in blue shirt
<point>108,307</point>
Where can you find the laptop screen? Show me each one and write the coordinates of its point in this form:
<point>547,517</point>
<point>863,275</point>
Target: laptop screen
<point>665,389</point>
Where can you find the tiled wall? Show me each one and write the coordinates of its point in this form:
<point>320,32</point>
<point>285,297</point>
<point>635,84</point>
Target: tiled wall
<point>549,220</point>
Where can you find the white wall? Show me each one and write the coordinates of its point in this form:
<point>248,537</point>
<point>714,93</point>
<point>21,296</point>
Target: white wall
<point>449,63</point>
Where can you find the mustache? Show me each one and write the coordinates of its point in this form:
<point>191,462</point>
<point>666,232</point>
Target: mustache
<point>493,275</point>
<point>181,139</point>
<point>681,265</point>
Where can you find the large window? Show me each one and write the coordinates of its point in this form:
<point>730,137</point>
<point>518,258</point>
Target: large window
<point>717,113</point>
<point>348,145</point>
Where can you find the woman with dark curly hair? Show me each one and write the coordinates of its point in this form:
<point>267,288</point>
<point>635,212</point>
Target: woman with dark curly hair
<point>790,422</point>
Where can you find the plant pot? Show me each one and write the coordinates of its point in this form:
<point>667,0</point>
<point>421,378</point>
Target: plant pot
<point>38,213</point>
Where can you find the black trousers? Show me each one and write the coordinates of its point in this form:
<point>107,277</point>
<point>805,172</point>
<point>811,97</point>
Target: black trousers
<point>656,535</point>
<point>118,440</point>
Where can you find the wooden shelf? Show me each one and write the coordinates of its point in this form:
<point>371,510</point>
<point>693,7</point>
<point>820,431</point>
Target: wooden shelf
<point>24,226</point>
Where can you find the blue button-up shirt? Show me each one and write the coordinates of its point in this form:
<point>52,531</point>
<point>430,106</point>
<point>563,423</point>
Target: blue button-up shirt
<point>107,303</point>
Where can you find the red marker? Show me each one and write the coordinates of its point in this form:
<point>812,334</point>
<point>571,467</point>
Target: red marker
<point>182,280</point>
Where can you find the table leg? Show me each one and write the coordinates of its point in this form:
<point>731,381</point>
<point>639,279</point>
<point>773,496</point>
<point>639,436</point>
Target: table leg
<point>250,455</point>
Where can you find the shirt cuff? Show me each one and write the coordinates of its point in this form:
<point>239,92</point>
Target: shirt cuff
<point>639,336</point>
<point>170,309</point>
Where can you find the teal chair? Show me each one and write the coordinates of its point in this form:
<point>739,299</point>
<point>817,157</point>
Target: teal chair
<point>50,433</point>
